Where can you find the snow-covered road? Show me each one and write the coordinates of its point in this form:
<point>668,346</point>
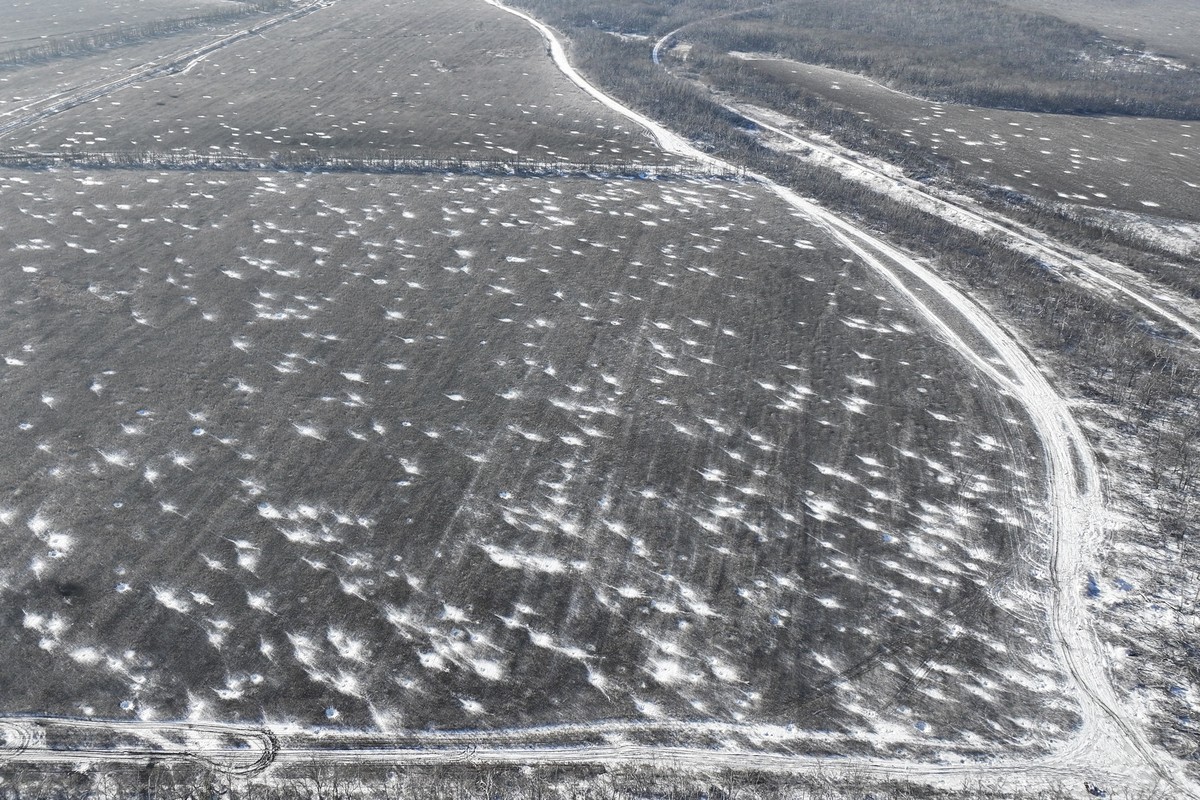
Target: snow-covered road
<point>1091,270</point>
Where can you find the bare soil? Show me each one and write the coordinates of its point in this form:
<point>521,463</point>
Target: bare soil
<point>460,451</point>
<point>29,22</point>
<point>1167,27</point>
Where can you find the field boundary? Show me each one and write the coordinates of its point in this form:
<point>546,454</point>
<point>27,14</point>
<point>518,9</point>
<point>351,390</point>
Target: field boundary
<point>381,165</point>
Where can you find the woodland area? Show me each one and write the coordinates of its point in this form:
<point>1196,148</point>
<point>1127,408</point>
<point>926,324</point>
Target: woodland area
<point>1109,350</point>
<point>979,53</point>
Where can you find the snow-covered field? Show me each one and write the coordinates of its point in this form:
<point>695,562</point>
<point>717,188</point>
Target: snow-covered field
<point>462,451</point>
<point>1126,163</point>
<point>27,22</point>
<point>363,78</point>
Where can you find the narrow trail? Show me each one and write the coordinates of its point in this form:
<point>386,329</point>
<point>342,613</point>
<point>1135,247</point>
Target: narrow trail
<point>43,108</point>
<point>1105,748</point>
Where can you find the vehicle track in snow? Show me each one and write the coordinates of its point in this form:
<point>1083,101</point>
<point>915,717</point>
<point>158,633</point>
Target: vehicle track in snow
<point>1075,496</point>
<point>1094,271</point>
<point>1074,491</point>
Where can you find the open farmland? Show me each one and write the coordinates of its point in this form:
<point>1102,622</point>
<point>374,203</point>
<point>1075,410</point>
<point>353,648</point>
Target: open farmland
<point>26,85</point>
<point>385,407</point>
<point>31,22</point>
<point>1125,163</point>
<point>485,452</point>
<point>362,78</point>
<point>1166,27</point>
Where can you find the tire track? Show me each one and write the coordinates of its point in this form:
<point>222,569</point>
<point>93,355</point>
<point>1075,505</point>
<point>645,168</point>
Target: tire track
<point>1015,236</point>
<point>50,740</point>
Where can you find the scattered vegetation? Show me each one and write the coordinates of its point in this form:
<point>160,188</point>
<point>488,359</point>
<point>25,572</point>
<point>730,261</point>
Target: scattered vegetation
<point>1141,384</point>
<point>1104,341</point>
<point>978,53</point>
<point>470,782</point>
<point>394,163</point>
<point>1132,370</point>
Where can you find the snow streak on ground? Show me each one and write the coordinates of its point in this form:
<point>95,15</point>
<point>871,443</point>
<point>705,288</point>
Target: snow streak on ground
<point>1140,164</point>
<point>365,78</point>
<point>1090,270</point>
<point>42,108</point>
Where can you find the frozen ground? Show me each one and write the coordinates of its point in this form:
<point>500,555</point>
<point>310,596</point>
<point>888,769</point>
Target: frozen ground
<point>647,463</point>
<point>358,78</point>
<point>29,22</point>
<point>1170,27</point>
<point>412,452</point>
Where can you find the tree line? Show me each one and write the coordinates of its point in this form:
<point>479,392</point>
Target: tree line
<point>464,781</point>
<point>974,52</point>
<point>379,163</point>
<point>977,52</point>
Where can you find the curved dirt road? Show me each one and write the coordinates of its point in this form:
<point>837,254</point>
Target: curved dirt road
<point>1094,272</point>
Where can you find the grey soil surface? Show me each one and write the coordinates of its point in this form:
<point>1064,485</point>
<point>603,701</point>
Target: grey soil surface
<point>1125,163</point>
<point>463,451</point>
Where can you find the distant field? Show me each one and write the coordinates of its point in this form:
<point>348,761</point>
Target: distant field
<point>27,22</point>
<point>1169,27</point>
<point>18,86</point>
<point>363,77</point>
<point>461,451</point>
<point>1124,163</point>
